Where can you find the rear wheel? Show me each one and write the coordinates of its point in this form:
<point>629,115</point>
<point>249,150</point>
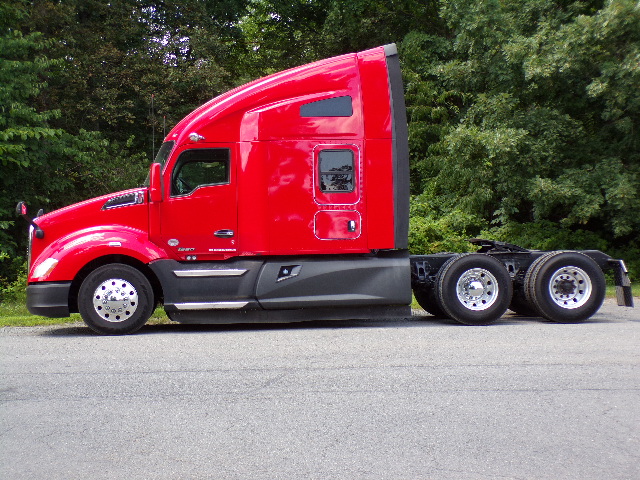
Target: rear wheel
<point>474,289</point>
<point>565,287</point>
<point>115,299</point>
<point>426,298</point>
<point>521,306</point>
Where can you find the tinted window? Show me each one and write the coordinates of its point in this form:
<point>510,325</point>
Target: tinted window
<point>161,157</point>
<point>199,167</point>
<point>330,107</point>
<point>336,170</point>
<point>163,153</point>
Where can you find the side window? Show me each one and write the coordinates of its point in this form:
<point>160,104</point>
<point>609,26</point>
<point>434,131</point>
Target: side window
<point>329,107</point>
<point>336,171</point>
<point>200,167</point>
<point>337,174</point>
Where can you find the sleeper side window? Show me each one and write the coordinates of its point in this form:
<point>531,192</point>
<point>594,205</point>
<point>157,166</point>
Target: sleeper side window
<point>329,107</point>
<point>200,167</point>
<point>337,174</point>
<point>336,171</point>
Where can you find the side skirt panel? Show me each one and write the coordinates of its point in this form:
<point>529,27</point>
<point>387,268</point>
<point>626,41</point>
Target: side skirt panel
<point>384,279</point>
<point>210,283</point>
<point>287,289</point>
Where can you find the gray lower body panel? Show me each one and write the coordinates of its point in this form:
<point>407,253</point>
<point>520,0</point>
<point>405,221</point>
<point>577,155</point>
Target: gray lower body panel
<point>49,299</point>
<point>285,289</point>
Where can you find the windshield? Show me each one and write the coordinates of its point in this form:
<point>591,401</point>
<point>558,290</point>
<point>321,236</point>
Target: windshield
<point>163,153</point>
<point>161,157</point>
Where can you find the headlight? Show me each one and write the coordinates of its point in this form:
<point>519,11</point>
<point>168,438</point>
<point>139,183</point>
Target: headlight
<point>45,268</point>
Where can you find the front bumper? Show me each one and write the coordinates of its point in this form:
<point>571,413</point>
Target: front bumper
<point>49,299</point>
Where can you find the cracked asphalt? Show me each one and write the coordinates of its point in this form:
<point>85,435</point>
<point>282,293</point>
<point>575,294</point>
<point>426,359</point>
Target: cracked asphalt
<point>413,399</point>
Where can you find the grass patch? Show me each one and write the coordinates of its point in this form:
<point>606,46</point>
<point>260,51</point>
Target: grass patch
<point>15,314</point>
<point>635,288</point>
<point>159,317</point>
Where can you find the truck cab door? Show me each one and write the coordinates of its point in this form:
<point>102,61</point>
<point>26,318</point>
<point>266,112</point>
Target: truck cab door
<point>198,219</point>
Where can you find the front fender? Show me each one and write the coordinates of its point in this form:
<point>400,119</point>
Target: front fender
<point>63,259</point>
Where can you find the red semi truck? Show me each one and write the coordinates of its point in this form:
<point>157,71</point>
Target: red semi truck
<point>287,199</point>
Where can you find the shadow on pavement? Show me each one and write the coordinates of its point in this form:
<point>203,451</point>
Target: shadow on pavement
<point>419,319</point>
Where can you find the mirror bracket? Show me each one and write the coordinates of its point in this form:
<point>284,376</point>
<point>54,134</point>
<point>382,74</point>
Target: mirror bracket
<point>21,211</point>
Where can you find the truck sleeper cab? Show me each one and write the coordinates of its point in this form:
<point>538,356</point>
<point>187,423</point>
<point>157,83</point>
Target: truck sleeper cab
<point>287,199</point>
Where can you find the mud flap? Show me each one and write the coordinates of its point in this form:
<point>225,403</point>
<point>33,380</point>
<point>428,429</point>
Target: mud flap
<point>624,295</point>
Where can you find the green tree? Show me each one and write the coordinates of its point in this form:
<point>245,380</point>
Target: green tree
<point>118,55</point>
<point>281,34</point>
<point>533,109</point>
<point>45,166</point>
<point>360,24</point>
<point>23,129</point>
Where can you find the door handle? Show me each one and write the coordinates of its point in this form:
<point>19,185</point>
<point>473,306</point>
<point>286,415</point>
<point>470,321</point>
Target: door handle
<point>351,226</point>
<point>224,233</point>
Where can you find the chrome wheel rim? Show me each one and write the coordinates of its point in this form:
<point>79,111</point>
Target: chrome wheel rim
<point>477,289</point>
<point>115,300</point>
<point>570,287</point>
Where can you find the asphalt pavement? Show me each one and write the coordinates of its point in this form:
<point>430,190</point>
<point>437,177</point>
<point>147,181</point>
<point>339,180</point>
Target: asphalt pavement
<point>413,399</point>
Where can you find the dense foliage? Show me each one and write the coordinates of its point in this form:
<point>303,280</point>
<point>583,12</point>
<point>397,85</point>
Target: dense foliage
<point>524,115</point>
<point>528,121</point>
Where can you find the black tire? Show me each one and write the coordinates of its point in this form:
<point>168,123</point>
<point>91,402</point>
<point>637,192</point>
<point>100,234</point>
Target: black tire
<point>130,305</point>
<point>521,306</point>
<point>474,289</point>
<point>426,298</point>
<point>565,287</point>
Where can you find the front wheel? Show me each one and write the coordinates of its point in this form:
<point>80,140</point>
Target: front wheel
<point>565,287</point>
<point>474,289</point>
<point>115,299</point>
